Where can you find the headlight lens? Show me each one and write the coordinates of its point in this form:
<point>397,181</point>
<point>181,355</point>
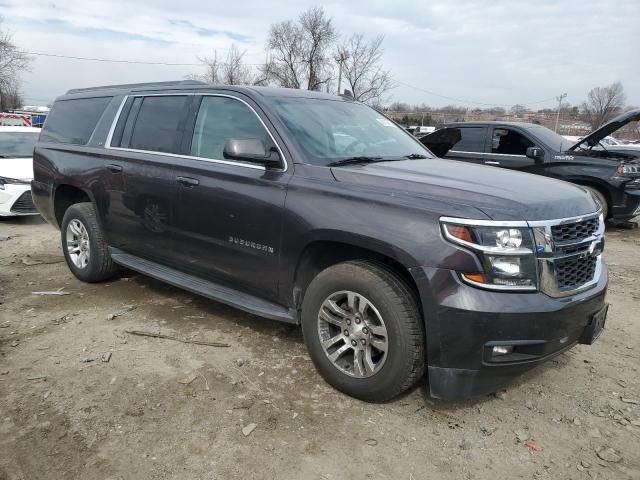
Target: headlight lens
<point>625,169</point>
<point>4,181</point>
<point>505,253</point>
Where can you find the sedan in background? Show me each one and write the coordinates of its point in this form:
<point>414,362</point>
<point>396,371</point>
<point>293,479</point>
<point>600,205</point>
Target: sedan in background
<point>16,170</point>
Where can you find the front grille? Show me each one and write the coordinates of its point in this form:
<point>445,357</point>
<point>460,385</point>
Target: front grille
<point>569,254</point>
<point>575,272</point>
<point>24,204</point>
<point>574,231</point>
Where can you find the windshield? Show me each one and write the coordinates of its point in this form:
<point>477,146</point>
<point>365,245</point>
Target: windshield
<point>17,144</point>
<point>550,138</point>
<point>334,130</point>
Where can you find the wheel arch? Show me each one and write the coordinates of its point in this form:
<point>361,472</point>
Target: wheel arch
<point>597,185</point>
<point>321,253</point>
<point>66,195</point>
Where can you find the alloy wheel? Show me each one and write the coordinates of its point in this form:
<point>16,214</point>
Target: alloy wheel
<point>353,334</point>
<point>78,245</point>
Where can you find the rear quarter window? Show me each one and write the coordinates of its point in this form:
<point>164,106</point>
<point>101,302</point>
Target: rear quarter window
<point>73,121</point>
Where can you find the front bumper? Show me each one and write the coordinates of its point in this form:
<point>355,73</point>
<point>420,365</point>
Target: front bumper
<point>463,324</point>
<point>628,205</point>
<point>15,200</point>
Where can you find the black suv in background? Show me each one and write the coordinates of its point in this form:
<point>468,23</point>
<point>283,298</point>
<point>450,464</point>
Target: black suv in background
<point>613,177</point>
<point>317,210</point>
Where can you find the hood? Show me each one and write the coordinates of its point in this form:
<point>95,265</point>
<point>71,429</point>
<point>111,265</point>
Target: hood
<point>17,168</point>
<point>608,128</point>
<point>500,194</point>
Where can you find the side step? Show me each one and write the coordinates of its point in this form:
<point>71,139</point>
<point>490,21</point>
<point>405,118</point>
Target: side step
<point>214,291</point>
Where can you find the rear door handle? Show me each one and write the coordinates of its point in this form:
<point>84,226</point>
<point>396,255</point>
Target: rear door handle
<point>491,162</point>
<point>112,167</point>
<point>188,181</point>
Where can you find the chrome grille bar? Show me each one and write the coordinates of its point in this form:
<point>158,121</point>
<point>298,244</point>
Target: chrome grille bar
<point>568,263</point>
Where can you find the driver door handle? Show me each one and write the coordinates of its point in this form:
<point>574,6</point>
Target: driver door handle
<point>188,181</point>
<point>112,167</point>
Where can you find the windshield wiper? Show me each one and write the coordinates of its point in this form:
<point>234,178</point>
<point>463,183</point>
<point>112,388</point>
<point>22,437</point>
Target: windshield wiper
<point>415,156</point>
<point>351,160</point>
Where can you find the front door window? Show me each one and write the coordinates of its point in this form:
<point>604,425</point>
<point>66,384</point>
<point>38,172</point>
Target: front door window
<point>509,142</point>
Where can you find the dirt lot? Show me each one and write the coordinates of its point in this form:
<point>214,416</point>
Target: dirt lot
<point>164,409</point>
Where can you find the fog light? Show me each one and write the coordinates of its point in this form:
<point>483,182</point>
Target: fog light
<point>502,350</point>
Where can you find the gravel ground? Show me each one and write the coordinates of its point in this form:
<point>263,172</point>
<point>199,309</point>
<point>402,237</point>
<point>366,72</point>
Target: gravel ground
<point>258,410</point>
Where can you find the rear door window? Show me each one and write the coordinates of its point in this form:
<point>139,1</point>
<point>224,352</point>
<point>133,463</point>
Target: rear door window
<point>471,140</point>
<point>73,121</point>
<point>222,118</point>
<point>155,123</point>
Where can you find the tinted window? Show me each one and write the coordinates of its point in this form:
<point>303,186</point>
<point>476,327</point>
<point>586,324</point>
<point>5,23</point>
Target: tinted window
<point>221,118</point>
<point>471,139</point>
<point>158,124</point>
<point>73,121</point>
<point>509,142</point>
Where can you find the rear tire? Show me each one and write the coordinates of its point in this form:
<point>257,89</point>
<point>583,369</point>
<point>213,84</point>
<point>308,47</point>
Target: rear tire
<point>370,298</point>
<point>83,244</point>
<point>601,199</point>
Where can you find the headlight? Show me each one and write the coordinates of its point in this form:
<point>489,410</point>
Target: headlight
<point>625,169</point>
<point>4,181</point>
<point>506,254</point>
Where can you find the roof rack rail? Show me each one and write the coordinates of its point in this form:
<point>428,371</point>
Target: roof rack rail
<point>138,85</point>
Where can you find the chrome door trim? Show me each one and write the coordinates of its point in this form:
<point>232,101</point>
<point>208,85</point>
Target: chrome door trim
<point>193,157</point>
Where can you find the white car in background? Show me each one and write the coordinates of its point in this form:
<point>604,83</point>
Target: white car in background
<point>616,145</point>
<point>16,170</point>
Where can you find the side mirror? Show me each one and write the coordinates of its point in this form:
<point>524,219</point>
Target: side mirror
<point>536,153</point>
<point>251,150</point>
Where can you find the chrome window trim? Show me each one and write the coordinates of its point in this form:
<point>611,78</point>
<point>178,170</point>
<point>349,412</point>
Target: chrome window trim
<point>193,157</point>
<point>489,153</point>
<point>112,128</point>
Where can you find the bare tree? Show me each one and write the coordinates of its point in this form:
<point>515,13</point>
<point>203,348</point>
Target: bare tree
<point>231,71</point>
<point>11,98</point>
<point>518,109</point>
<point>234,70</point>
<point>298,51</point>
<point>318,36</point>
<point>285,64</point>
<point>213,70</point>
<point>12,62</point>
<point>362,68</point>
<point>603,103</point>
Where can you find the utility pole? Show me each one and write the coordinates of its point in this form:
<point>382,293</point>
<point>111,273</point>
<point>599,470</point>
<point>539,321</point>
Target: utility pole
<point>559,98</point>
<point>341,58</point>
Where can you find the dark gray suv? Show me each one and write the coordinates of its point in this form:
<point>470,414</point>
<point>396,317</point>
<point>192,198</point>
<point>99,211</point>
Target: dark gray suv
<point>317,210</point>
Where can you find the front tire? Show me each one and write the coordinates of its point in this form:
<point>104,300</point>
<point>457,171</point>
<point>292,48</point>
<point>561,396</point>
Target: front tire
<point>363,329</point>
<point>601,199</point>
<point>83,244</point>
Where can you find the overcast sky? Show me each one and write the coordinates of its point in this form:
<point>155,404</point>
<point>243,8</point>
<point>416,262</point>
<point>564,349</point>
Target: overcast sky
<point>482,51</point>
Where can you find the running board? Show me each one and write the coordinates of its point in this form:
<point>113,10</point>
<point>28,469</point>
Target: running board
<point>214,291</point>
